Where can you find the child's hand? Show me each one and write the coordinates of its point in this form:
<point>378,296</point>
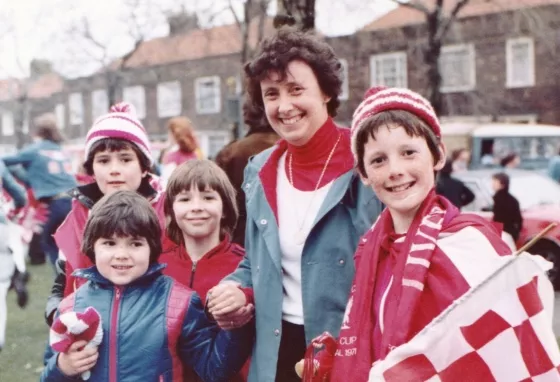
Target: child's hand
<point>224,299</point>
<point>78,359</point>
<point>236,319</point>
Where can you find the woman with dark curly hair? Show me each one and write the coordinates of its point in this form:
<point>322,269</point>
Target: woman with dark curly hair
<point>306,207</point>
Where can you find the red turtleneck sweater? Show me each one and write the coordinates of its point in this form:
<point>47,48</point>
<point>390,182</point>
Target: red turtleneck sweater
<point>308,161</point>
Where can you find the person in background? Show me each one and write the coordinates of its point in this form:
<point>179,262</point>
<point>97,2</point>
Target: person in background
<point>49,173</point>
<point>506,207</point>
<point>460,159</point>
<point>453,189</point>
<point>234,157</point>
<point>512,160</point>
<point>186,146</point>
<point>306,207</point>
<point>554,167</point>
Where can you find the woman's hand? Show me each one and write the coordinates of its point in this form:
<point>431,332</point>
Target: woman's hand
<point>77,359</point>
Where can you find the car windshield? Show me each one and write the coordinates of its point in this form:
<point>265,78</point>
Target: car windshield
<point>532,190</point>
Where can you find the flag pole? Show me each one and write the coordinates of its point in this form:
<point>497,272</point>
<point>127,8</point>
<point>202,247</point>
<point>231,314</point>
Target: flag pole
<point>531,242</point>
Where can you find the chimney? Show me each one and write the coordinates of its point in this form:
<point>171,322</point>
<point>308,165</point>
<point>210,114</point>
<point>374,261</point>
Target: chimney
<point>182,23</point>
<point>38,68</point>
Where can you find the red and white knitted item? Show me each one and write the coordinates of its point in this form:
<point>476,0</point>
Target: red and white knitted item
<point>379,99</point>
<point>70,327</point>
<point>121,122</point>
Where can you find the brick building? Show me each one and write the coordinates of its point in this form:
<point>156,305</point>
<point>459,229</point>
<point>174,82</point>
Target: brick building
<point>499,62</point>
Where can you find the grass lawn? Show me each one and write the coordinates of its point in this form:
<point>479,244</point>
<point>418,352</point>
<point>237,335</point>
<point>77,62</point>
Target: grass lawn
<point>21,359</point>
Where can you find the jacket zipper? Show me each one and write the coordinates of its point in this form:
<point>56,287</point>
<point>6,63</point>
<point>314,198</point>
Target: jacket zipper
<point>113,336</point>
<point>193,270</point>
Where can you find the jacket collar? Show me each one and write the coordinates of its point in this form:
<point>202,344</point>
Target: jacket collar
<point>90,194</point>
<point>92,274</point>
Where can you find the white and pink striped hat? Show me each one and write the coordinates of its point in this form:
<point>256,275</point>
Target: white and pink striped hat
<point>121,122</point>
<point>378,99</point>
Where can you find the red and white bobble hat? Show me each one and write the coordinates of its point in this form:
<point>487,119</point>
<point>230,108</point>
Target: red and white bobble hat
<point>121,122</point>
<point>379,99</point>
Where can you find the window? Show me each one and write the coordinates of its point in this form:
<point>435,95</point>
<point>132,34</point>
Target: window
<point>207,93</point>
<point>7,124</point>
<point>456,65</point>
<point>215,144</point>
<point>59,112</point>
<point>169,99</point>
<point>520,61</point>
<point>345,84</point>
<point>136,96</point>
<point>388,70</point>
<point>99,103</point>
<point>76,108</point>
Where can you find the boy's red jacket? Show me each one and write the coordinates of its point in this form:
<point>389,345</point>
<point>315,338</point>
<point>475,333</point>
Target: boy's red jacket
<point>207,272</point>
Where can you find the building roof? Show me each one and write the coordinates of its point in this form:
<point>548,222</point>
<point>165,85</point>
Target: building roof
<point>403,15</point>
<point>42,87</point>
<point>196,44</point>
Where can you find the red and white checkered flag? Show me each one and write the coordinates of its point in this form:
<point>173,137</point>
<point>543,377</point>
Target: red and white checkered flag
<point>500,330</point>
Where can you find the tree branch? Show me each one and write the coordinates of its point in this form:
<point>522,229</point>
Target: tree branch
<point>447,22</point>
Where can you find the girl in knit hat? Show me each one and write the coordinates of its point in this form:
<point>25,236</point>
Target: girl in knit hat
<point>118,157</point>
<point>417,258</point>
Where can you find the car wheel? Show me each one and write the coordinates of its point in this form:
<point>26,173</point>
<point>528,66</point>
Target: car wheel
<point>552,255</point>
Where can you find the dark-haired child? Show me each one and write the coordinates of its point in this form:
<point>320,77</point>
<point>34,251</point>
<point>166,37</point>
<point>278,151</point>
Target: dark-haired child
<point>153,326</point>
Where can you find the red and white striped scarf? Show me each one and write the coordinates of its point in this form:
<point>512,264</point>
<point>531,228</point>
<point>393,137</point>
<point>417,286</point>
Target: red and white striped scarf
<point>424,282</point>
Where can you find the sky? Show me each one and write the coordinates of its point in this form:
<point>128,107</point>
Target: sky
<point>40,27</point>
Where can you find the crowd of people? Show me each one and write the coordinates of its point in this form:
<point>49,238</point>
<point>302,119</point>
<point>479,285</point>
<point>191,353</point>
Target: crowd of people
<point>228,270</point>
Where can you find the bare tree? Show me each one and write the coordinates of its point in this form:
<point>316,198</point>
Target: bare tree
<point>439,20</point>
<point>90,47</point>
<point>303,11</point>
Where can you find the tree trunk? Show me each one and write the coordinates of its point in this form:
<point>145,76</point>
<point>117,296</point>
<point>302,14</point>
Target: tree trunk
<point>432,54</point>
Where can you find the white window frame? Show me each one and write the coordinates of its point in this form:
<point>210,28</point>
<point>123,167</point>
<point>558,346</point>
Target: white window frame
<point>60,114</point>
<point>218,97</point>
<point>169,99</point>
<point>471,81</point>
<point>516,83</point>
<point>400,59</point>
<point>8,128</point>
<point>136,96</point>
<point>76,108</point>
<point>345,93</point>
<point>99,103</point>
<point>204,138</point>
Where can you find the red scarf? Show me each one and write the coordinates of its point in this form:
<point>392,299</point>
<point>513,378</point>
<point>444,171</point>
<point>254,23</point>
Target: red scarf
<point>414,297</point>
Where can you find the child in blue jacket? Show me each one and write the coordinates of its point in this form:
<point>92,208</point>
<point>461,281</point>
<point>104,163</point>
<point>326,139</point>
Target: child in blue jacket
<point>152,325</point>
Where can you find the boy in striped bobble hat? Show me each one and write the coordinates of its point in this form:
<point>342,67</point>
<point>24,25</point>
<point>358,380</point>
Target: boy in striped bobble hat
<point>405,275</point>
<point>118,157</point>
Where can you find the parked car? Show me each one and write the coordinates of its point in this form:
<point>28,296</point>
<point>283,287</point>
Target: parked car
<point>534,143</point>
<point>539,199</point>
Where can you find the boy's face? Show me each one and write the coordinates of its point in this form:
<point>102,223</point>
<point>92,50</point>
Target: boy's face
<point>496,185</point>
<point>117,170</point>
<point>122,260</point>
<point>199,214</point>
<point>400,170</point>
<point>295,107</point>
<point>183,138</point>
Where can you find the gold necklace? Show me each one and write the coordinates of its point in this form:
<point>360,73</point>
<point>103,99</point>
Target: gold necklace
<point>300,235</point>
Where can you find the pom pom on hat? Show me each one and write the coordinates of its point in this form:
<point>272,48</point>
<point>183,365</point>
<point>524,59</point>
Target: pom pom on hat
<point>122,123</point>
<point>379,99</point>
